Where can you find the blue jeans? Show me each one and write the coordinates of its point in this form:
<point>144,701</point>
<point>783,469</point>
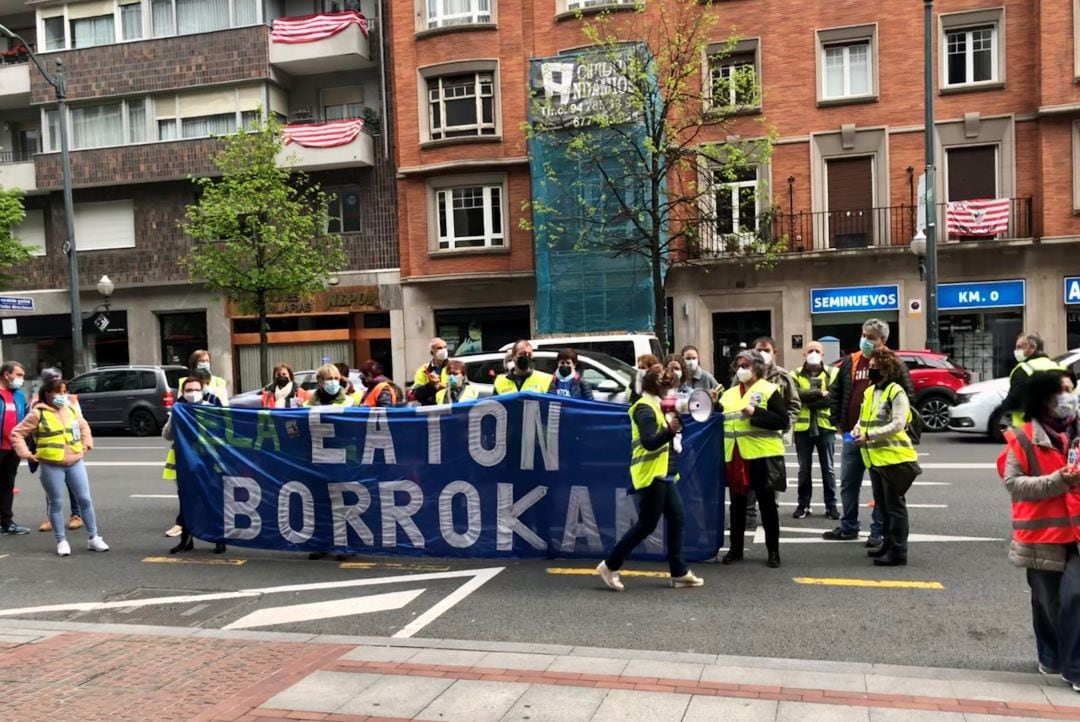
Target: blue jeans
<point>1055,614</point>
<point>805,445</point>
<point>53,479</point>
<point>852,471</point>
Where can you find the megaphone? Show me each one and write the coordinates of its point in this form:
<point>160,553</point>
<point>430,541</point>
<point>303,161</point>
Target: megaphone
<point>697,405</point>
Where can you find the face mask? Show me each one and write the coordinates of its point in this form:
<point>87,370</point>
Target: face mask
<point>1020,357</point>
<point>813,358</point>
<point>677,373</point>
<point>441,355</point>
<point>1065,406</point>
<point>638,378</point>
<point>565,372</point>
<point>874,375</point>
<point>17,382</point>
<point>455,380</point>
<point>204,365</point>
<point>59,400</point>
<point>524,363</point>
<point>767,355</point>
<point>866,346</point>
<point>193,397</point>
<point>744,375</point>
<point>332,387</point>
<point>691,363</point>
<point>282,381</point>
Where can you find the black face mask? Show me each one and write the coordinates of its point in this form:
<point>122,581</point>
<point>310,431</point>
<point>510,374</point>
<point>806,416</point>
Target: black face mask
<point>524,363</point>
<point>281,381</point>
<point>874,375</point>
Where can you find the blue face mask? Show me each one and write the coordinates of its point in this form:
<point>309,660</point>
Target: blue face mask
<point>332,387</point>
<point>59,400</point>
<point>204,365</point>
<point>866,346</point>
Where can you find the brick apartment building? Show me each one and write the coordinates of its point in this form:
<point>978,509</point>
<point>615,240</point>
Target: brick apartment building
<point>149,84</point>
<point>842,86</point>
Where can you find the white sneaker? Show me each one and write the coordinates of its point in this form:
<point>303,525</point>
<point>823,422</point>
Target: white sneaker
<point>687,580</point>
<point>97,544</point>
<point>174,531</point>
<point>611,579</point>
<point>63,549</point>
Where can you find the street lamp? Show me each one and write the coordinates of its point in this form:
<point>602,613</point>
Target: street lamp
<point>57,82</point>
<point>932,337</point>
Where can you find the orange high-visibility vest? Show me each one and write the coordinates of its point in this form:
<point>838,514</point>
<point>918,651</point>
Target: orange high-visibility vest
<point>372,398</point>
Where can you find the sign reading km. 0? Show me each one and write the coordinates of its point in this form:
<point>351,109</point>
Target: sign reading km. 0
<point>981,294</point>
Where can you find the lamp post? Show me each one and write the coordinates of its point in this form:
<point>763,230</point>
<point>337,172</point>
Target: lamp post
<point>56,80</point>
<point>933,338</point>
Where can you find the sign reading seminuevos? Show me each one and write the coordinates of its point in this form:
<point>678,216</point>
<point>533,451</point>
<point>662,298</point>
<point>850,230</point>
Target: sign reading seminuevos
<point>579,89</point>
<point>855,299</point>
<point>523,475</point>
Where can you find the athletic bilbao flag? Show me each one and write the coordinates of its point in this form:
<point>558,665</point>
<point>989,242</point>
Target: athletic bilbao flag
<point>310,28</point>
<point>979,217</point>
<point>322,135</point>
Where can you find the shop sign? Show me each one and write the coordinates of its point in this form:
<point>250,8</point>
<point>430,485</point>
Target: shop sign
<point>1072,289</point>
<point>360,298</point>
<point>861,299</point>
<point>981,294</point>
<point>16,303</point>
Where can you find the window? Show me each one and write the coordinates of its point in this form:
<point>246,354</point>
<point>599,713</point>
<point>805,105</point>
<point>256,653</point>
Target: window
<point>136,121</point>
<point>101,226</point>
<point>185,17</point>
<point>733,80</point>
<point>736,202</point>
<point>131,21</point>
<point>461,106</point>
<point>52,122</point>
<point>586,4</point>
<point>97,126</point>
<point>342,103</point>
<point>847,70</point>
<point>446,13</point>
<point>208,125</point>
<point>344,212</point>
<point>161,12</point>
<point>54,33</point>
<point>970,55</point>
<point>470,217</point>
<point>31,231</point>
<point>88,32</point>
<point>85,384</point>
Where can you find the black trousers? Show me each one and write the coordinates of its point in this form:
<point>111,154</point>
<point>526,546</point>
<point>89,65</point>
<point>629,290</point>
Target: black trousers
<point>659,499</point>
<point>9,466</point>
<point>894,513</point>
<point>770,515</point>
<point>1055,615</point>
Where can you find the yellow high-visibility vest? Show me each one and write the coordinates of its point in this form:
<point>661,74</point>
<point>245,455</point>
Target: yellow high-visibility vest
<point>827,376</point>
<point>468,393</point>
<point>895,449</point>
<point>753,443</point>
<point>538,382</point>
<point>53,435</point>
<point>645,465</point>
<point>1042,363</point>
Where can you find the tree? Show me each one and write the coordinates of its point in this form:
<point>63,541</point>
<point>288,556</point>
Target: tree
<point>638,171</point>
<point>12,251</point>
<point>260,231</point>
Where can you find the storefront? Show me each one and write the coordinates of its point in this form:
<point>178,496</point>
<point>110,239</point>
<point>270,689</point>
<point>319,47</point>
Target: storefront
<point>481,330</point>
<point>1072,312</point>
<point>182,333</point>
<point>44,341</point>
<point>840,313</point>
<point>343,325</point>
<point>979,322</point>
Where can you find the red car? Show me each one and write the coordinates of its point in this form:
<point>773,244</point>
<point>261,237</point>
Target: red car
<point>936,380</point>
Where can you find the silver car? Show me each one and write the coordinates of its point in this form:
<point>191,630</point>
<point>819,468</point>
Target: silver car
<point>609,377</point>
<point>305,379</point>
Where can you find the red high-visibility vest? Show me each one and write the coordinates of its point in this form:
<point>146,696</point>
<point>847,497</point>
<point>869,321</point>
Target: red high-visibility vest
<point>1049,521</point>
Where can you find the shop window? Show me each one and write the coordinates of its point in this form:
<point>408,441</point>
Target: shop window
<point>181,335</point>
<point>482,330</point>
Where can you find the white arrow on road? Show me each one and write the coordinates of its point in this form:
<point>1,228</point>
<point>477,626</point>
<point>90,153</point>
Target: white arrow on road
<point>325,610</point>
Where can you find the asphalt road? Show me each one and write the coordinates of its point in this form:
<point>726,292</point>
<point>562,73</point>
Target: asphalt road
<point>978,618</point>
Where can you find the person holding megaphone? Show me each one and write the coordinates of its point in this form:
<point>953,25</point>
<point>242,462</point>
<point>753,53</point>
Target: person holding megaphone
<point>755,419</point>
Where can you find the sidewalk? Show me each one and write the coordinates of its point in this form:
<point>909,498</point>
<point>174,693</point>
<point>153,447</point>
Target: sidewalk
<point>85,672</point>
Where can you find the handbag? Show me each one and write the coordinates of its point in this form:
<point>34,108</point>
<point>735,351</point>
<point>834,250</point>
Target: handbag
<point>899,477</point>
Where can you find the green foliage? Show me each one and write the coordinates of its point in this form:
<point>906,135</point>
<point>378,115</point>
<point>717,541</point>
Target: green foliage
<point>12,251</point>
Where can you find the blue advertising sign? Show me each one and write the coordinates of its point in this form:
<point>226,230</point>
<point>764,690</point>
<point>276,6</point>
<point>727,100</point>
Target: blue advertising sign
<point>523,475</point>
<point>1072,289</point>
<point>16,303</point>
<point>981,294</point>
<point>862,299</point>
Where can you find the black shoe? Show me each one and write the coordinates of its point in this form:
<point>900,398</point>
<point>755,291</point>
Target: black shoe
<point>774,559</point>
<point>880,552</point>
<point>838,534</point>
<point>186,544</point>
<point>892,559</point>
<point>801,513</point>
<point>316,555</point>
<point>874,542</point>
<point>219,548</point>
<point>832,514</point>
<point>13,529</point>
<point>731,558</point>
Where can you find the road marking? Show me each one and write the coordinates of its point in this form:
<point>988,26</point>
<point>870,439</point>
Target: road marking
<point>759,537</point>
<point>325,610</point>
<point>153,496</point>
<point>392,565</point>
<point>207,562</point>
<point>866,482</point>
<point>875,583</point>
<point>958,466</point>
<point>194,610</point>
<point>476,579</point>
<point>867,506</point>
<point>99,447</point>
<point>160,464</point>
<point>584,572</point>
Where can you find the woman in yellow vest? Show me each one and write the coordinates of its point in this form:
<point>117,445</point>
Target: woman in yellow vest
<point>755,419</point>
<point>888,453</point>
<point>458,389</point>
<point>654,468</point>
<point>200,359</point>
<point>62,438</point>
<point>330,391</point>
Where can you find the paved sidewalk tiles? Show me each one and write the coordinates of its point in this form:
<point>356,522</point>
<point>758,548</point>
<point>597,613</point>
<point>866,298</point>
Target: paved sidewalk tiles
<point>92,674</point>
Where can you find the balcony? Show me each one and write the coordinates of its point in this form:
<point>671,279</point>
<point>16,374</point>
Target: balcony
<point>14,81</point>
<point>886,227</point>
<point>324,43</point>
<point>327,146</point>
<point>370,251</point>
<point>142,163</point>
<point>17,171</point>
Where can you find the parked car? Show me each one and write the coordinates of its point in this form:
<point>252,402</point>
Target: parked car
<point>624,346</point>
<point>136,398</point>
<point>978,407</point>
<point>253,399</point>
<point>609,377</point>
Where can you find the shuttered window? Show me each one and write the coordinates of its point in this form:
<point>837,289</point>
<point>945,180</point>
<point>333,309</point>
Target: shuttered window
<point>972,172</point>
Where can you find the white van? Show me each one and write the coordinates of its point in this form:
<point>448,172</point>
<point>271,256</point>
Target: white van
<point>623,346</point>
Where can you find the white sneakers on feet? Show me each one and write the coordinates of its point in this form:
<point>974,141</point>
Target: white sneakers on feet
<point>687,580</point>
<point>97,544</point>
<point>63,549</point>
<point>174,531</point>
<point>611,579</point>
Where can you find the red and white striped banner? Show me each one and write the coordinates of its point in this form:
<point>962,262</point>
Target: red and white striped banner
<point>322,135</point>
<point>310,28</point>
<point>978,217</point>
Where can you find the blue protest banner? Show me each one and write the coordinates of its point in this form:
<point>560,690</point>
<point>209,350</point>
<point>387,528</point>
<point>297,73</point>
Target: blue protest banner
<point>523,475</point>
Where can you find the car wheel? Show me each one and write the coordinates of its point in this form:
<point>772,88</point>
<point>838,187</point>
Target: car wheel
<point>999,421</point>
<point>142,423</point>
<point>934,411</point>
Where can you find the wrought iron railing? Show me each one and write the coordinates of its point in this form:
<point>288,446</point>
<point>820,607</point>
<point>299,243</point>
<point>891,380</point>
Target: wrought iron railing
<point>16,156</point>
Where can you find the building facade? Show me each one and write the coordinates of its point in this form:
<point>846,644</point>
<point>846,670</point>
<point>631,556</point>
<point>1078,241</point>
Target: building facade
<point>842,88</point>
<point>152,86</point>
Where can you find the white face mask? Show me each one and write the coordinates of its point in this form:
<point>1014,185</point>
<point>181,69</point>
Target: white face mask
<point>204,365</point>
<point>677,373</point>
<point>744,375</point>
<point>17,382</point>
<point>1020,357</point>
<point>692,364</point>
<point>441,355</point>
<point>1065,407</point>
<point>813,358</point>
<point>193,397</point>
<point>767,355</point>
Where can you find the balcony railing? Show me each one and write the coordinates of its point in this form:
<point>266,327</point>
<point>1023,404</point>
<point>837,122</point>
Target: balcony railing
<point>891,226</point>
<point>16,156</point>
